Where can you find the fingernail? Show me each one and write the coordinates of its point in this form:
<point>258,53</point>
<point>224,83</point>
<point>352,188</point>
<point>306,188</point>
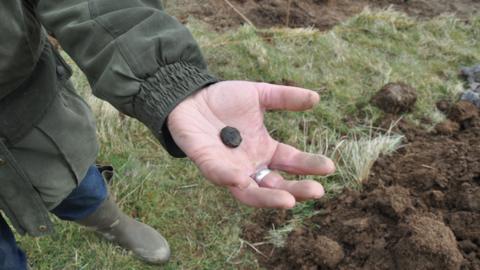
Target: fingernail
<point>289,204</point>
<point>329,166</point>
<point>320,195</point>
<point>315,98</point>
<point>322,164</point>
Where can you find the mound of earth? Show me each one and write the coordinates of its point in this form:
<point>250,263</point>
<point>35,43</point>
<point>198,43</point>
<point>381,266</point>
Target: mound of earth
<point>419,209</point>
<point>395,98</point>
<point>322,14</point>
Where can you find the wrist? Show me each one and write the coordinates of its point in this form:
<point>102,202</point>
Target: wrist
<point>160,94</point>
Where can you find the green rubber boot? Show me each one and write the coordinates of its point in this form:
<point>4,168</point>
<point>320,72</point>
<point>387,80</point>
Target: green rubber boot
<point>145,242</point>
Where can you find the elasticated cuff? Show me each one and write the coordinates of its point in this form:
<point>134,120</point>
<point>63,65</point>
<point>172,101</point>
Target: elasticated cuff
<point>160,93</point>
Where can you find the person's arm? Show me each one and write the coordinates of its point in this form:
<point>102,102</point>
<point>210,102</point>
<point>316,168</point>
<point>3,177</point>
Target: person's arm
<point>148,66</point>
<point>135,56</point>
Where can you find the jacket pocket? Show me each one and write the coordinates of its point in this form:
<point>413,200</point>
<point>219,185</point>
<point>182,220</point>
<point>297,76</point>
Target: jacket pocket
<point>18,198</point>
<point>70,126</point>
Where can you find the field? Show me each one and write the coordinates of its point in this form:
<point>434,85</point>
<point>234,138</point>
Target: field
<point>420,200</point>
<point>418,209</point>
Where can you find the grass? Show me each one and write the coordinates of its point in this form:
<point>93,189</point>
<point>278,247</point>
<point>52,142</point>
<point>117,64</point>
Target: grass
<point>345,65</point>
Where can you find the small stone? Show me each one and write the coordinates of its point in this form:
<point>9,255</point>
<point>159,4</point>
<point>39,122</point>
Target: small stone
<point>230,136</point>
<point>471,96</point>
<point>472,74</point>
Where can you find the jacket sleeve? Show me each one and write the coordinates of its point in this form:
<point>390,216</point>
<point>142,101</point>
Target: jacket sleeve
<point>135,56</point>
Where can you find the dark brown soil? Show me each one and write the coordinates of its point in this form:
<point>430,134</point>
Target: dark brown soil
<point>447,127</point>
<point>322,14</point>
<point>395,98</point>
<point>419,209</point>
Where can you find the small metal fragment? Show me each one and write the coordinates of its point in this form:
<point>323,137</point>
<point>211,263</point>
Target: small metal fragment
<point>230,136</point>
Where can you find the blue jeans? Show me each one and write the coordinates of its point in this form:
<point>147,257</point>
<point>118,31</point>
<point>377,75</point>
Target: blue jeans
<point>80,203</point>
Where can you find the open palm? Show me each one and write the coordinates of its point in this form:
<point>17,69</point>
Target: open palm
<point>195,125</point>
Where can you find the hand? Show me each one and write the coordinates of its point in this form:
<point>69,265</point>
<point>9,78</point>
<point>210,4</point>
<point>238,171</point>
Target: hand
<point>195,125</point>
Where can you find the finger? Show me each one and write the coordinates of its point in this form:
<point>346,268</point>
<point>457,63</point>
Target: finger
<point>301,190</point>
<point>289,159</point>
<point>223,173</point>
<point>263,197</point>
<point>290,98</point>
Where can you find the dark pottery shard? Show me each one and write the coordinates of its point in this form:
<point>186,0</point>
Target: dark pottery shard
<point>230,137</point>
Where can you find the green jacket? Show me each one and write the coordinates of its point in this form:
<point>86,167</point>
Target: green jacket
<point>134,55</point>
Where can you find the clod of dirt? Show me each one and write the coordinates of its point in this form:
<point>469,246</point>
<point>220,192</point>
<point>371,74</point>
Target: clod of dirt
<point>430,244</point>
<point>329,252</point>
<point>465,225</point>
<point>357,224</point>
<point>392,201</point>
<point>443,106</point>
<point>462,111</point>
<point>447,127</point>
<point>435,198</point>
<point>323,251</point>
<point>469,199</point>
<point>395,98</point>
